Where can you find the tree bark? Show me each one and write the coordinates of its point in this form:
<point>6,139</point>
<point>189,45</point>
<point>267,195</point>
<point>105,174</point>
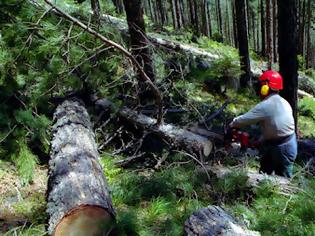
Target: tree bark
<point>243,42</point>
<point>173,9</point>
<point>301,28</point>
<point>263,28</point>
<point>150,10</point>
<point>209,17</point>
<point>78,196</point>
<point>219,16</point>
<point>161,11</point>
<point>275,26</point>
<point>308,35</point>
<point>213,220</point>
<point>196,16</point>
<point>205,19</point>
<point>269,33</point>
<point>234,24</point>
<point>139,43</point>
<point>179,138</point>
<point>287,44</point>
<point>118,6</point>
<point>95,4</point>
<point>178,14</point>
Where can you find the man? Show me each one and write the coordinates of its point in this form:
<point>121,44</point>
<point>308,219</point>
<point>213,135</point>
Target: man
<point>274,114</point>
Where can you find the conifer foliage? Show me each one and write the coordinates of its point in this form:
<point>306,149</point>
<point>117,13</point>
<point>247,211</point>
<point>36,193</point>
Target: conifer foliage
<point>42,57</point>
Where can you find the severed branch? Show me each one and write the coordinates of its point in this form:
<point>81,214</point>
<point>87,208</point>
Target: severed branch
<point>135,63</point>
<point>216,113</point>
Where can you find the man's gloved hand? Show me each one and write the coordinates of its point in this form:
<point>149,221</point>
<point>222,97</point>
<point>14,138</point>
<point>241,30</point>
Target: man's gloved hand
<point>257,143</point>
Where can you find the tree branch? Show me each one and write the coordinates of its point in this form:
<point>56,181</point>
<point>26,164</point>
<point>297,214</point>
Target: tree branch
<point>135,63</point>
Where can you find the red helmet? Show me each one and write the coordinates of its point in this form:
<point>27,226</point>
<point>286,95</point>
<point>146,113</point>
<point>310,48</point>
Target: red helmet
<point>273,79</point>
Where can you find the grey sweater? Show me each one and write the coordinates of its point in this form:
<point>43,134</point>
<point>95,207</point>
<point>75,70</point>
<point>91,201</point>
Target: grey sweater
<point>274,115</point>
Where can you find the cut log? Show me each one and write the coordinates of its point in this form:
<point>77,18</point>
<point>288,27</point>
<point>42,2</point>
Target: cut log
<point>302,94</point>
<point>213,221</point>
<point>253,177</point>
<point>177,137</point>
<point>78,195</point>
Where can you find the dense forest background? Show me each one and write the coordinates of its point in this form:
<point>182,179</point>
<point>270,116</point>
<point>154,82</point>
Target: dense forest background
<point>198,55</point>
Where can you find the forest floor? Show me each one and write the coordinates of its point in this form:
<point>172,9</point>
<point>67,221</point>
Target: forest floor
<point>152,200</point>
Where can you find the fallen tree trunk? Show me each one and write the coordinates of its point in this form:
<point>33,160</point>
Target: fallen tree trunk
<point>212,221</point>
<point>176,137</point>
<point>253,177</point>
<point>78,194</point>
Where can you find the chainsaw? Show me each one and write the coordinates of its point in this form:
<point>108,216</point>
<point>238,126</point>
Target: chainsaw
<point>235,135</point>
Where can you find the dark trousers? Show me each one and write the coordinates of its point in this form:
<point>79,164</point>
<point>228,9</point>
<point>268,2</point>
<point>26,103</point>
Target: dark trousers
<point>279,158</point>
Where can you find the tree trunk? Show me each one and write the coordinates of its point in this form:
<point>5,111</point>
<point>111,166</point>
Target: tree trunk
<point>269,33</point>
<point>308,35</point>
<point>254,27</point>
<point>78,196</point>
<point>287,44</point>
<point>218,4</point>
<point>213,220</point>
<point>177,138</point>
<point>234,24</point>
<point>173,8</point>
<point>178,14</point>
<point>182,12</point>
<point>95,5</point>
<point>248,22</point>
<point>205,19</point>
<point>162,11</point>
<point>227,24</point>
<point>209,17</point>
<point>138,42</point>
<point>118,6</point>
<point>243,42</point>
<point>263,28</point>
<point>275,27</point>
<point>301,28</point>
<point>196,17</point>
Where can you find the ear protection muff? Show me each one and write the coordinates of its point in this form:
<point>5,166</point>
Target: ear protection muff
<point>264,90</point>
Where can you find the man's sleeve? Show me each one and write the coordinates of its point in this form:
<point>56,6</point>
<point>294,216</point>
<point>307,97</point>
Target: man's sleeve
<point>253,116</point>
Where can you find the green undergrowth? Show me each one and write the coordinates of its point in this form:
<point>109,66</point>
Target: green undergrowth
<point>154,202</point>
<point>151,202</point>
<point>306,119</point>
<point>276,213</point>
<point>33,230</point>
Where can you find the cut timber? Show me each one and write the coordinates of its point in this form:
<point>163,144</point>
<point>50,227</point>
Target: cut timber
<point>78,195</point>
<point>253,177</point>
<point>177,137</point>
<point>213,221</point>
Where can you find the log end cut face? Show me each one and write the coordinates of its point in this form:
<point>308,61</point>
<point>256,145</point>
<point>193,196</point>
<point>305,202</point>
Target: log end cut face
<point>85,221</point>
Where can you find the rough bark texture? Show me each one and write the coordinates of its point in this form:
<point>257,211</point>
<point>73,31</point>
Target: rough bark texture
<point>287,42</point>
<point>138,39</point>
<point>177,137</point>
<point>243,42</point>
<point>78,194</point>
<point>214,221</point>
<point>269,33</point>
<point>263,28</point>
<point>95,4</point>
<point>253,177</point>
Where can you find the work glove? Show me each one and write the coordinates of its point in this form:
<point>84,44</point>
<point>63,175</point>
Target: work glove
<point>257,143</point>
